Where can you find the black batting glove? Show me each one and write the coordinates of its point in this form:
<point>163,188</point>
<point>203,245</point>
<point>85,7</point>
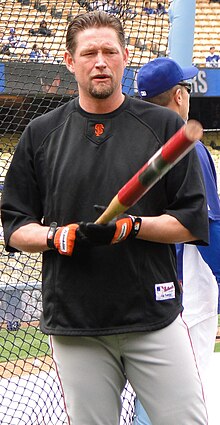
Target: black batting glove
<point>113,232</point>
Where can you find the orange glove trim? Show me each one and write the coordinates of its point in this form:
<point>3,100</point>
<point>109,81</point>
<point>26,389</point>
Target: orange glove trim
<point>64,239</point>
<point>124,227</point>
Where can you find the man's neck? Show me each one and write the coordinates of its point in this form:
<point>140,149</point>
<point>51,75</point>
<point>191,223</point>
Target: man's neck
<point>101,106</point>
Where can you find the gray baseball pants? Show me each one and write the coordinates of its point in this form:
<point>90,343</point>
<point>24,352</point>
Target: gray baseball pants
<point>160,366</point>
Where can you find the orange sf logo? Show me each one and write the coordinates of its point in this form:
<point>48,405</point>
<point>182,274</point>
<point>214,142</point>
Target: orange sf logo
<point>99,129</point>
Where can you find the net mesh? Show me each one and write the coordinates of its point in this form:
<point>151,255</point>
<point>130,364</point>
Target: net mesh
<point>34,80</point>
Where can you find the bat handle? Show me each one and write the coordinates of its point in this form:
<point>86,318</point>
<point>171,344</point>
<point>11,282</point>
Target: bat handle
<point>114,209</point>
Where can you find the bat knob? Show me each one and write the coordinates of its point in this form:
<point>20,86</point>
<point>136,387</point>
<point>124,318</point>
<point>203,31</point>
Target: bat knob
<point>193,130</point>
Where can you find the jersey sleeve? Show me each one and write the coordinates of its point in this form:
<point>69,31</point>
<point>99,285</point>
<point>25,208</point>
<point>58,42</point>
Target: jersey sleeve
<point>210,180</point>
<point>21,201</point>
<point>211,253</point>
<point>187,198</point>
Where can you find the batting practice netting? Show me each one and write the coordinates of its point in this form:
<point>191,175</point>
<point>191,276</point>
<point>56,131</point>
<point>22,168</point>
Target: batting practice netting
<point>34,80</point>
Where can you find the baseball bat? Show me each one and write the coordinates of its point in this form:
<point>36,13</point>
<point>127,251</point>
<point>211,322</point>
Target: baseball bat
<point>153,170</point>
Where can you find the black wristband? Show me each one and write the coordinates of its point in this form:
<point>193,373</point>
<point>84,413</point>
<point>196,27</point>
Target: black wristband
<point>136,226</point>
<point>50,236</point>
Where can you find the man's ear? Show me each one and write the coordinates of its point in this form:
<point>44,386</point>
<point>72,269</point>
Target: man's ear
<point>178,97</point>
<point>126,56</point>
<point>69,62</point>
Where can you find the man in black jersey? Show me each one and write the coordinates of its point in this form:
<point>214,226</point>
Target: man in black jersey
<point>111,299</point>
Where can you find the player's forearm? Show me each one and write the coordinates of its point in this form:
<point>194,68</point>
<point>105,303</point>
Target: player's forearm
<point>30,238</point>
<point>164,229</point>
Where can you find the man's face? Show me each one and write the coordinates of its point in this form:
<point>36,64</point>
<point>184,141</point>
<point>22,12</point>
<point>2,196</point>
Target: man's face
<point>98,62</point>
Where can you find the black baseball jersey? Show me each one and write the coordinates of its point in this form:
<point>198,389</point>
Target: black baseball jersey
<point>68,160</point>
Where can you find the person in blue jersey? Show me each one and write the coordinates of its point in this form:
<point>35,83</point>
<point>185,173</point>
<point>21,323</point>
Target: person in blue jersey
<point>108,291</point>
<point>163,82</point>
<point>212,60</point>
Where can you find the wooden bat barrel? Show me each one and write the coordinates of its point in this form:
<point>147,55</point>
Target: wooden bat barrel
<point>153,170</point>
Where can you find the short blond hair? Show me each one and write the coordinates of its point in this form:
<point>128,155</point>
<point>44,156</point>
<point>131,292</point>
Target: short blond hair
<point>94,19</point>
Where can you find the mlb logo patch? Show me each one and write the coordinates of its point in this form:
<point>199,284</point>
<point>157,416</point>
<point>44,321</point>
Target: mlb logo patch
<point>164,291</point>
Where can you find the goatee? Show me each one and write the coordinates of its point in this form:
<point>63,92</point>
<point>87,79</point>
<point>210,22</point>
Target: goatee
<point>101,93</point>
